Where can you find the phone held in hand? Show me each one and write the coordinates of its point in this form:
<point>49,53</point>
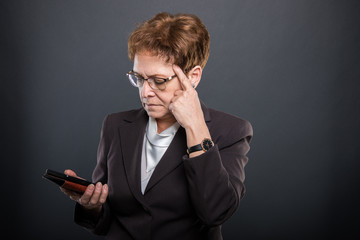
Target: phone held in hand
<point>68,182</point>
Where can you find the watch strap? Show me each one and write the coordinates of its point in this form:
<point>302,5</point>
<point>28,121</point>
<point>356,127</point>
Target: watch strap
<point>195,148</point>
<point>205,145</point>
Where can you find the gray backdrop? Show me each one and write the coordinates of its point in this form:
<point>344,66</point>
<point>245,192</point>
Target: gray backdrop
<point>290,67</point>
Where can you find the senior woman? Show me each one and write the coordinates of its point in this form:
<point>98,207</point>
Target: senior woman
<point>173,169</point>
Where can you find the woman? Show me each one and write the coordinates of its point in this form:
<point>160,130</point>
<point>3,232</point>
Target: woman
<point>173,169</point>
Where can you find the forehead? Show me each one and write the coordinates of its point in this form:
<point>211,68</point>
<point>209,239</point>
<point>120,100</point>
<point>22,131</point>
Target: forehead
<point>147,61</point>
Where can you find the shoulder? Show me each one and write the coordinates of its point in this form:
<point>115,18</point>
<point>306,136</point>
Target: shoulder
<point>119,118</point>
<point>125,116</point>
<point>227,128</point>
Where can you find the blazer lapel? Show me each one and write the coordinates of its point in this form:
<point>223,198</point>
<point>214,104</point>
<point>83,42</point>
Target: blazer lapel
<point>132,136</point>
<point>170,160</point>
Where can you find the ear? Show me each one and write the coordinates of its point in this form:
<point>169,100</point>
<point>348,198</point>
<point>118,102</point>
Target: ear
<point>194,75</point>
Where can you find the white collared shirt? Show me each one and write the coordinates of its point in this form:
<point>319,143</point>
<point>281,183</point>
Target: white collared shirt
<point>154,146</point>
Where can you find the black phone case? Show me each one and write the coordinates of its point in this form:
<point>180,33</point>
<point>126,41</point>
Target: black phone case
<point>68,182</point>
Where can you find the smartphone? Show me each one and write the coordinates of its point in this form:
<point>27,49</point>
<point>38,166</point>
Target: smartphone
<point>68,182</point>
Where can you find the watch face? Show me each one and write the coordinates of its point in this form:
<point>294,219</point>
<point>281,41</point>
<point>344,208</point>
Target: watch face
<point>207,144</point>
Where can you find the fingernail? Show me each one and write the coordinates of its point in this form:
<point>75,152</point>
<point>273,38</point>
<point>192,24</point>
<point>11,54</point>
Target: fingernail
<point>91,187</point>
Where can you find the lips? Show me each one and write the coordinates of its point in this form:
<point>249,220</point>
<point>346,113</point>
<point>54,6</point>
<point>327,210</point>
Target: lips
<point>151,105</point>
<point>146,103</point>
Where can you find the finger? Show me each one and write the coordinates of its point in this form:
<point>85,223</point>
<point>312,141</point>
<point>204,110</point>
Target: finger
<point>67,192</point>
<point>96,195</point>
<point>177,95</point>
<point>85,198</point>
<point>171,107</point>
<point>173,101</point>
<point>178,92</point>
<point>75,198</point>
<point>185,82</point>
<point>104,194</point>
<point>71,194</point>
<point>70,172</point>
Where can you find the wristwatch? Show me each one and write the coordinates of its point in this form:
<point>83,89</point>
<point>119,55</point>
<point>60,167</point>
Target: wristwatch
<point>205,145</point>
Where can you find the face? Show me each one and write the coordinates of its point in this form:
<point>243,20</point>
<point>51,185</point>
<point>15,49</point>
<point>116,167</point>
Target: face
<point>156,102</point>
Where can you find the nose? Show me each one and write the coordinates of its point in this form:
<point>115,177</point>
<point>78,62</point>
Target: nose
<point>146,90</point>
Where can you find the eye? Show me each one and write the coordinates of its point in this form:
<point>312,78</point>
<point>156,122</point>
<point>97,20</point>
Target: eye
<point>158,81</point>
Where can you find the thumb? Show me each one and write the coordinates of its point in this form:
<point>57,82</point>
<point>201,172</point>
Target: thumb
<point>70,173</point>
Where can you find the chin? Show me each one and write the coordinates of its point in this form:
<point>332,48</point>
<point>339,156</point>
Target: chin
<point>154,114</point>
<point>158,114</point>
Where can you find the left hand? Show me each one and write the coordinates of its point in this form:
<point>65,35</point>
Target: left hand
<point>185,105</point>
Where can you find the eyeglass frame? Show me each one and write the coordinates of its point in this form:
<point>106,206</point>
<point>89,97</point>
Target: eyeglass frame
<point>141,78</point>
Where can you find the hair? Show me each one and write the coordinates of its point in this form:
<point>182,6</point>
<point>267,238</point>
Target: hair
<point>181,38</point>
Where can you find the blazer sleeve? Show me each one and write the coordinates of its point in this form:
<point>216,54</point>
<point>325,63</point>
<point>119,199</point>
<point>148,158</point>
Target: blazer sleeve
<point>98,225</point>
<point>216,177</point>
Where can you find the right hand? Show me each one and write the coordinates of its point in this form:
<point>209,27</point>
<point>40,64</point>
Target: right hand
<point>94,196</point>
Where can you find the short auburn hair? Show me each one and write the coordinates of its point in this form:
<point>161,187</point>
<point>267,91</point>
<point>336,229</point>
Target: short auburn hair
<point>181,38</point>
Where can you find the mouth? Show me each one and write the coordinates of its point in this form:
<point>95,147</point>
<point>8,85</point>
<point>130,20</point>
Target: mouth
<point>151,105</point>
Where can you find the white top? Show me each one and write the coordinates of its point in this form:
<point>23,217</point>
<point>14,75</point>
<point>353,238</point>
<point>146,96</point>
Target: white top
<point>154,147</point>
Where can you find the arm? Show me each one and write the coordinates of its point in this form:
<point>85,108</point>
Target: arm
<point>215,177</point>
<point>216,181</point>
<point>186,108</point>
<point>97,219</point>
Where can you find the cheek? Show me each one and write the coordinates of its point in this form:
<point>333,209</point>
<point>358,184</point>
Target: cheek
<point>166,98</point>
<point>140,96</point>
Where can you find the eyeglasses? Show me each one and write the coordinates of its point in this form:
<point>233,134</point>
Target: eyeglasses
<point>154,82</point>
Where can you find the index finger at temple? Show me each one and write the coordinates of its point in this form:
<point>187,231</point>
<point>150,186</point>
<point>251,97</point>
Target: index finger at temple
<point>185,82</point>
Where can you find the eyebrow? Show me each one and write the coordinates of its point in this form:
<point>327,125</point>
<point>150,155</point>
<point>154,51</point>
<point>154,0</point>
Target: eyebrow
<point>137,74</point>
<point>154,75</point>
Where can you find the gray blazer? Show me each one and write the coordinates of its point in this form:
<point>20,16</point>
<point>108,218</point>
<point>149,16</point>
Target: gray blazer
<point>186,198</point>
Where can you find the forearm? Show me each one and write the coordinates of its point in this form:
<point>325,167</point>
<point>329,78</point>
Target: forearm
<point>212,192</point>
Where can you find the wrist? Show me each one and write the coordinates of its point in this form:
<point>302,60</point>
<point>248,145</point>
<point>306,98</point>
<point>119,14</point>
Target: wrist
<point>196,134</point>
<point>94,210</point>
<point>204,146</point>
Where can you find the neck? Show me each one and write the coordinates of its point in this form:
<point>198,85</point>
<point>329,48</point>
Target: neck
<point>163,124</point>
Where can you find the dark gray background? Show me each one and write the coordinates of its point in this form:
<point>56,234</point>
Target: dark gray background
<point>290,67</point>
